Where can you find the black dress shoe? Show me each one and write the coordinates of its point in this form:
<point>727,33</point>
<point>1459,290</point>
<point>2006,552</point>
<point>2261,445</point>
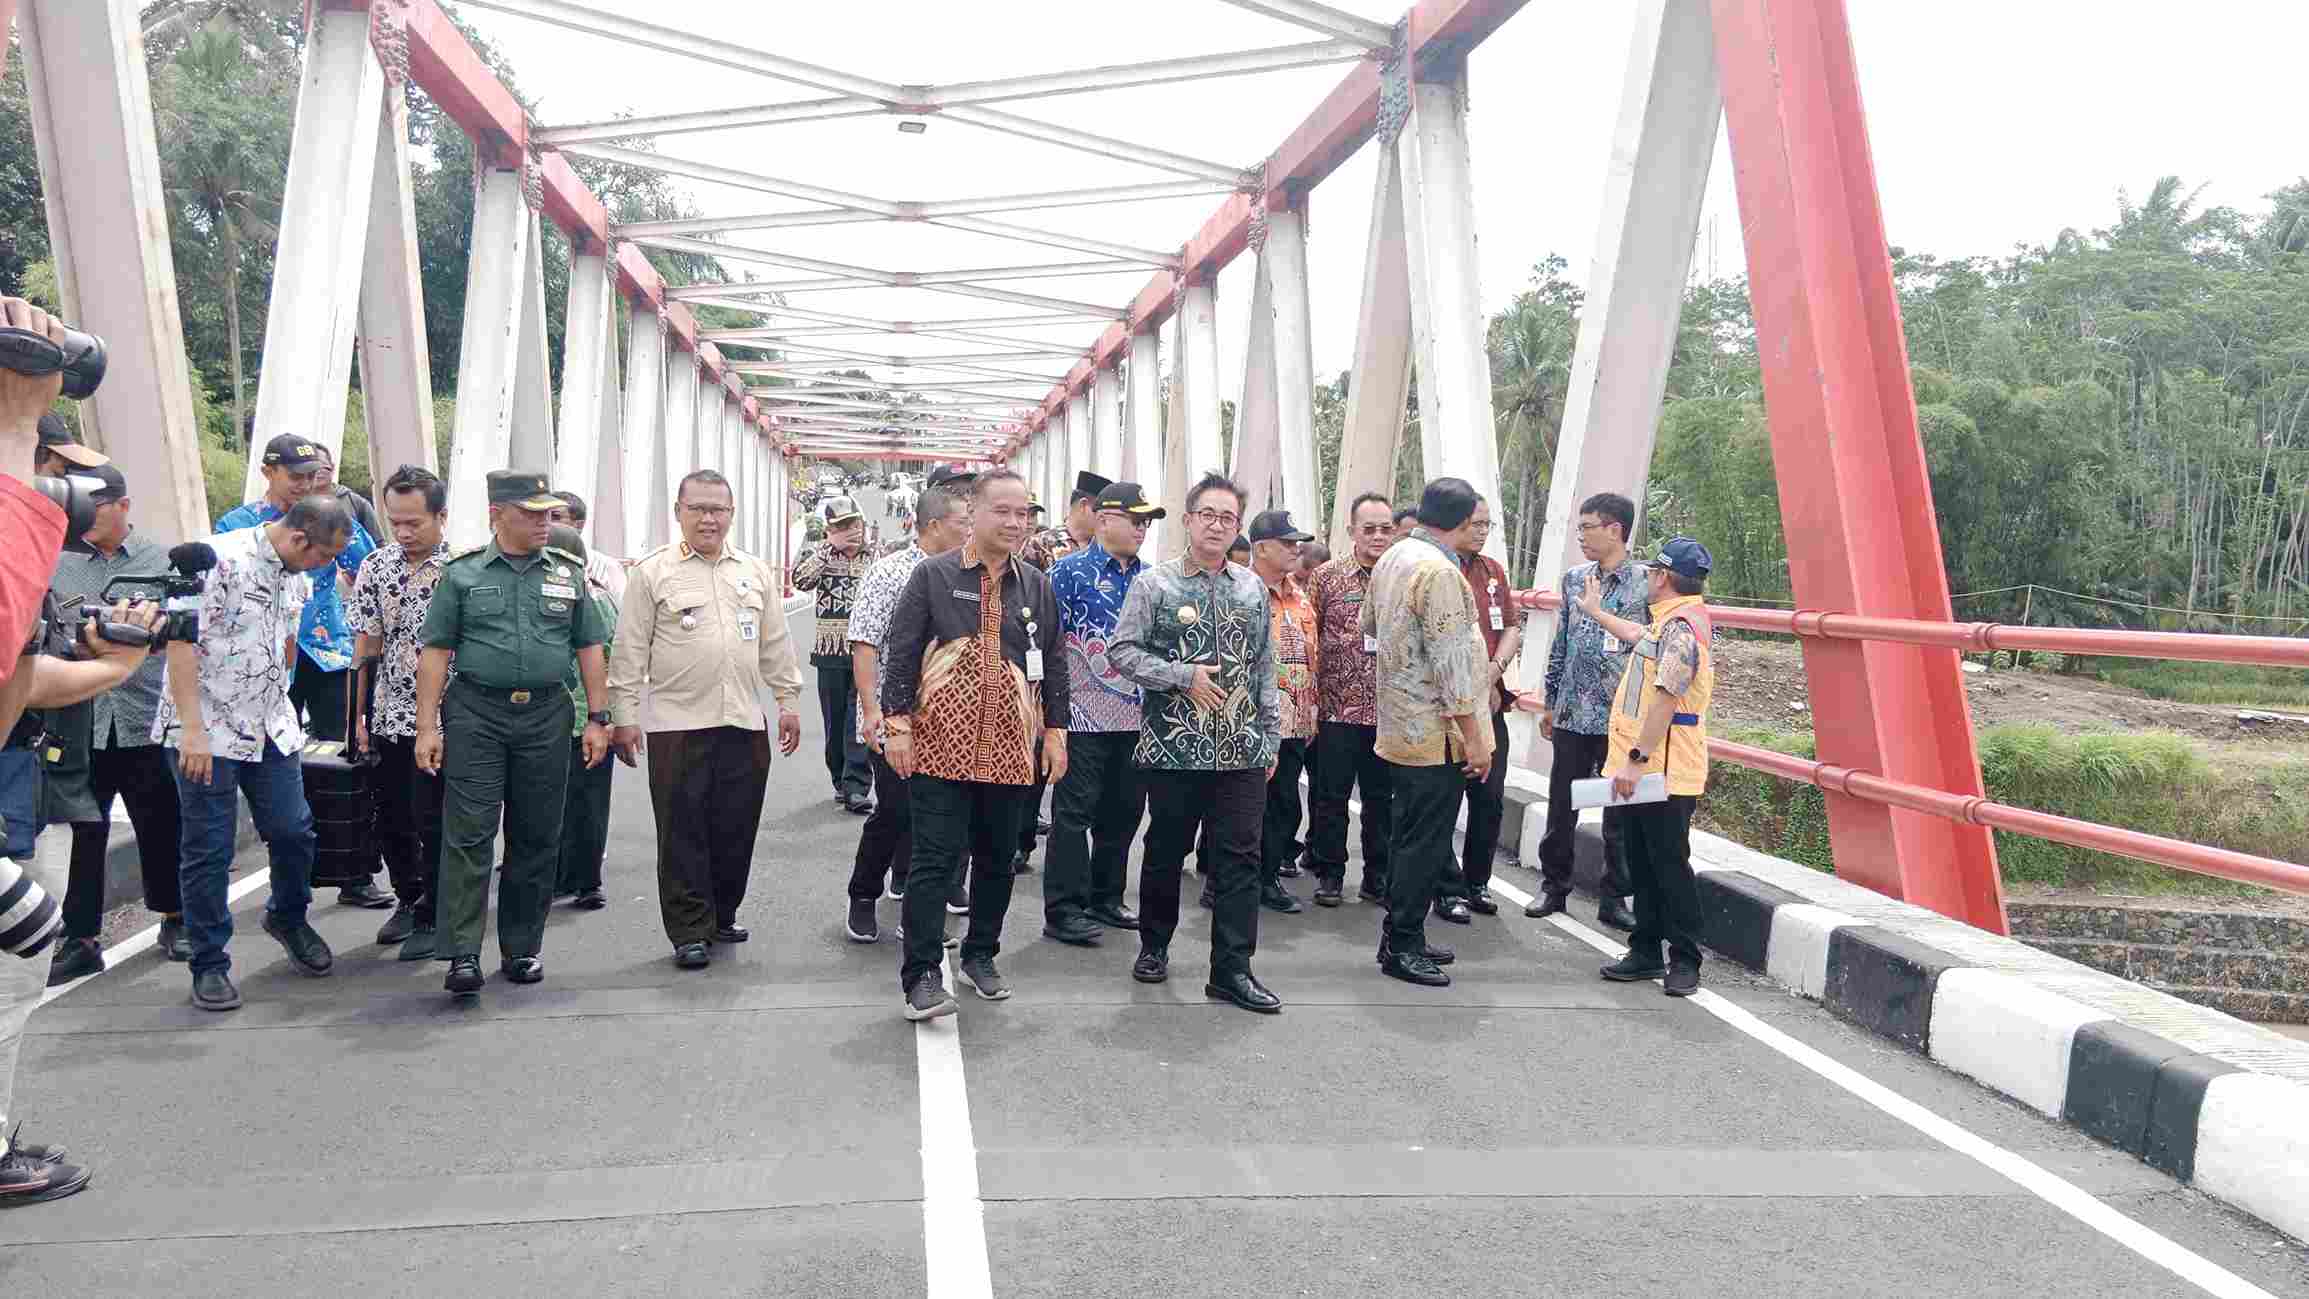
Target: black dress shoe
<point>732,933</point>
<point>1414,969</point>
<point>1612,913</point>
<point>1683,978</point>
<point>1208,898</point>
<point>1370,892</point>
<point>1078,931</point>
<point>398,926</point>
<point>1548,904</point>
<point>307,951</point>
<point>464,976</point>
<point>1454,909</point>
<point>589,900</point>
<point>1439,955</point>
<point>214,990</point>
<point>172,942</point>
<point>1481,903</point>
<point>1021,864</point>
<point>1245,991</point>
<point>692,956</point>
<point>1151,967</point>
<point>75,958</point>
<point>1632,968</point>
<point>862,807</point>
<point>1328,894</point>
<point>1274,898</point>
<point>1114,915</point>
<point>523,969</point>
<point>366,895</point>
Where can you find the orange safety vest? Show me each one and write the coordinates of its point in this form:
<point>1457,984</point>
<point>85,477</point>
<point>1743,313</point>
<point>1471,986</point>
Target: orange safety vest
<point>1684,758</point>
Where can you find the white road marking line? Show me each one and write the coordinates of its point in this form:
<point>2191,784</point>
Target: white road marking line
<point>953,1217</point>
<point>137,943</point>
<point>2054,1190</point>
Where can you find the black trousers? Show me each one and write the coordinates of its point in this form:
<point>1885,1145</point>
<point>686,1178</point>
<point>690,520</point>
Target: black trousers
<point>408,820</point>
<point>584,823</point>
<point>1659,848</point>
<point>1093,818</point>
<point>144,780</point>
<point>845,754</point>
<point>1279,827</point>
<point>886,845</point>
<point>1346,758</point>
<point>1486,808</point>
<point>320,695</point>
<point>1579,756</point>
<point>957,821</point>
<point>1179,804</point>
<point>1426,812</point>
<point>706,787</point>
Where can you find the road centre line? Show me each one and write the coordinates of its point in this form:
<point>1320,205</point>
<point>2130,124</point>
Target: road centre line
<point>954,1262</point>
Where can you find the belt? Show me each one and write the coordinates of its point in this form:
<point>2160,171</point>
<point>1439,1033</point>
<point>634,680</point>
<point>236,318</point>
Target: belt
<point>523,695</point>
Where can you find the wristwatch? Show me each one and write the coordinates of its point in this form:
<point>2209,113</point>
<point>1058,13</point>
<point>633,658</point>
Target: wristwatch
<point>598,719</point>
<point>1638,755</point>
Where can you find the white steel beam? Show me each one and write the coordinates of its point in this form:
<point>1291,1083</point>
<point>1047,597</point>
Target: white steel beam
<point>488,363</point>
<point>1456,427</point>
<point>1047,200</point>
<point>316,291</point>
<point>1106,421</point>
<point>1052,239</point>
<point>1160,71</point>
<point>644,425</point>
<point>802,397</point>
<point>935,281</point>
<point>677,448</point>
<point>1671,110</point>
<point>532,442</point>
<point>745,58</point>
<point>1142,445</point>
<point>1197,370</point>
<point>706,441</point>
<point>607,476</point>
<point>1284,264</point>
<point>1337,23</point>
<point>588,350</point>
<point>825,216</point>
<point>994,119</point>
<point>1078,446</point>
<point>1256,402</point>
<point>396,364</point>
<point>1172,474</point>
<point>100,182</point>
<point>1380,383</point>
<point>706,171</point>
<point>977,389</point>
<point>633,128</point>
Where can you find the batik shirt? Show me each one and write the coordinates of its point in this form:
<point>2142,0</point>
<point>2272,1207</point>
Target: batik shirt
<point>1091,586</point>
<point>1045,548</point>
<point>1585,662</point>
<point>251,609</point>
<point>1347,667</point>
<point>1178,617</point>
<point>389,601</point>
<point>1296,659</point>
<point>121,716</point>
<point>960,652</point>
<point>324,636</point>
<point>834,577</point>
<point>877,599</point>
<point>1431,662</point>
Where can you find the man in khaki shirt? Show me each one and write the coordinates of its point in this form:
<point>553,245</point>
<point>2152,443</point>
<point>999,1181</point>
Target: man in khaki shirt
<point>703,623</point>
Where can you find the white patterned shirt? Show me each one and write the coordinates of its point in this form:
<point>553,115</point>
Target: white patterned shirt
<point>248,622</point>
<point>870,611</point>
<point>389,601</point>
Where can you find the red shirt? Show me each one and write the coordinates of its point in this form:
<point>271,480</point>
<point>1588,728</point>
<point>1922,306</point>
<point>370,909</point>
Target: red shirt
<point>31,537</point>
<point>1495,610</point>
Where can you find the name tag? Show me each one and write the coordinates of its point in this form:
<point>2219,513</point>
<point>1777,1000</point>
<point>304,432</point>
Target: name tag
<point>971,596</point>
<point>559,591</point>
<point>1370,644</point>
<point>1498,619</point>
<point>748,630</point>
<point>1034,665</point>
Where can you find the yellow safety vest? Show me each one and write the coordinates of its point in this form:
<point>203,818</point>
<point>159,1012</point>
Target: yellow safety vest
<point>1685,756</point>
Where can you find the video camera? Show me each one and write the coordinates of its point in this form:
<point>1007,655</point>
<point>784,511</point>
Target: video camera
<point>80,358</point>
<point>179,591</point>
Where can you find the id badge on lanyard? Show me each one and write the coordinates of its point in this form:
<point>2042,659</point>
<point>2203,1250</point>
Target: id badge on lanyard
<point>1033,652</point>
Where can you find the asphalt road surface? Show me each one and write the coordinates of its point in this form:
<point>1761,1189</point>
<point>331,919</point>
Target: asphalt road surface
<point>772,1126</point>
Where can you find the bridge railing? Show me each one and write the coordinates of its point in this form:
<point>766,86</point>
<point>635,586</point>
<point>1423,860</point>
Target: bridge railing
<point>1982,637</point>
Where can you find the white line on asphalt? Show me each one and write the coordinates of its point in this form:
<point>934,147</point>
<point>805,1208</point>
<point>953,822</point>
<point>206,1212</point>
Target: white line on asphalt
<point>2054,1190</point>
<point>953,1217</point>
<point>137,943</point>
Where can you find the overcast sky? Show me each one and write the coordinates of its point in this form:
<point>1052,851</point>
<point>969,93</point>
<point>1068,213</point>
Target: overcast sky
<point>1994,122</point>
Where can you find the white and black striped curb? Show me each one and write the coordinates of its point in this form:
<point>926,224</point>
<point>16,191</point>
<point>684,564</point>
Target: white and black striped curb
<point>2202,1096</point>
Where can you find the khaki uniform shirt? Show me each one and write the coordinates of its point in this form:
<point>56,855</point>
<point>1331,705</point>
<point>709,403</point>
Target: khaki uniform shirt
<point>707,636</point>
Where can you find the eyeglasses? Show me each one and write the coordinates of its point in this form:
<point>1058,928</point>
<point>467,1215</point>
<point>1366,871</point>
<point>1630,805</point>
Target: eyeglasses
<point>1376,530</point>
<point>1131,519</point>
<point>1586,528</point>
<point>1216,519</point>
<point>707,511</point>
<point>1481,525</point>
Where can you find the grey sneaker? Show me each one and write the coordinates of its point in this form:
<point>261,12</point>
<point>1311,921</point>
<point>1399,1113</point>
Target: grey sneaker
<point>861,925</point>
<point>927,998</point>
<point>980,974</point>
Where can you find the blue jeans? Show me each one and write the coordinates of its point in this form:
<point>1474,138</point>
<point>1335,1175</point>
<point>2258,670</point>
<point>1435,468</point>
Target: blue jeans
<point>19,801</point>
<point>275,786</point>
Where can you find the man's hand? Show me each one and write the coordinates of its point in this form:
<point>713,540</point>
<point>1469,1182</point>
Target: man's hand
<point>1205,691</point>
<point>135,613</point>
<point>361,734</point>
<point>627,741</point>
<point>790,731</point>
<point>194,757</point>
<point>1623,780</point>
<point>594,743</point>
<point>429,749</point>
<point>869,719</point>
<point>1546,721</point>
<point>1478,768</point>
<point>25,398</point>
<point>898,751</point>
<point>1054,754</point>
<point>1591,599</point>
<point>1273,766</point>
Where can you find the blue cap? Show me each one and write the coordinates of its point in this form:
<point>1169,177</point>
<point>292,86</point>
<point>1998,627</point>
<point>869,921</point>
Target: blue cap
<point>1686,558</point>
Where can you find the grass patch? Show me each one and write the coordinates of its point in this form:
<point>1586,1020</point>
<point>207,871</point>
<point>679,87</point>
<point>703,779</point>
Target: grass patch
<point>2150,781</point>
<point>2208,683</point>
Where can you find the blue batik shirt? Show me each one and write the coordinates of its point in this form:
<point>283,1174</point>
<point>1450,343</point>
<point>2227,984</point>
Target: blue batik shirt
<point>1585,661</point>
<point>1091,585</point>
<point>324,635</point>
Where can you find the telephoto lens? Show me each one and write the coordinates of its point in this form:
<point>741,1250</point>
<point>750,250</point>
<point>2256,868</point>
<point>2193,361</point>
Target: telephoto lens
<point>29,917</point>
<point>79,357</point>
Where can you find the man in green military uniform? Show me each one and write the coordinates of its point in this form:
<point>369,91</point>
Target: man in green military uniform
<point>512,614</point>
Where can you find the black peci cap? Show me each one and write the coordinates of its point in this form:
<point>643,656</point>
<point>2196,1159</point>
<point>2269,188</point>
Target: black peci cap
<point>1131,499</point>
<point>1276,525</point>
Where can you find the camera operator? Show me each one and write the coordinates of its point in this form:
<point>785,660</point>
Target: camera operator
<point>121,758</point>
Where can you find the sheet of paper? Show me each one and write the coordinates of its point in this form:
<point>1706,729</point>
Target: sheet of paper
<point>1650,788</point>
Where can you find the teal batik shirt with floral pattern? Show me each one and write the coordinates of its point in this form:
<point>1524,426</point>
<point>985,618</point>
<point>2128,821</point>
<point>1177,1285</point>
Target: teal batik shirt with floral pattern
<point>1178,617</point>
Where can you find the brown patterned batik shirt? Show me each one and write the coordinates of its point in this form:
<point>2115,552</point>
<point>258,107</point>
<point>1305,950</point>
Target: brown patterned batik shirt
<point>957,660</point>
<point>1347,673</point>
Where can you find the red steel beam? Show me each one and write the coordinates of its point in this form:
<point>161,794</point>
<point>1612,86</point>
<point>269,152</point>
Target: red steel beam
<point>1855,500</point>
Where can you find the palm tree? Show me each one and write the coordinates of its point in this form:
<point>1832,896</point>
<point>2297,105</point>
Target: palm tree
<point>1531,349</point>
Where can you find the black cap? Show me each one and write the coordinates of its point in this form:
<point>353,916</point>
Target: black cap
<point>841,509</point>
<point>115,486</point>
<point>1241,542</point>
<point>519,487</point>
<point>1686,558</point>
<point>1088,484</point>
<point>949,475</point>
<point>1276,525</point>
<point>1131,499</point>
<point>291,451</point>
<point>56,437</point>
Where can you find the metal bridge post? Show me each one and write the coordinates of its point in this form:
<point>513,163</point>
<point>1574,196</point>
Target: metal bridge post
<point>1197,376</point>
<point>1380,384</point>
<point>1855,497</point>
<point>676,448</point>
<point>1078,448</point>
<point>1142,433</point>
<point>1106,422</point>
<point>396,363</point>
<point>588,382</point>
<point>643,429</point>
<point>91,109</point>
<point>1251,460</point>
<point>488,368</point>
<point>532,441</point>
<point>1284,264</point>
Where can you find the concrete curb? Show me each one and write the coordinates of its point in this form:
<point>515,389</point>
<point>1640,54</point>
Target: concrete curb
<point>2199,1095</point>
